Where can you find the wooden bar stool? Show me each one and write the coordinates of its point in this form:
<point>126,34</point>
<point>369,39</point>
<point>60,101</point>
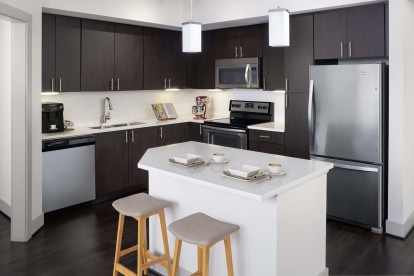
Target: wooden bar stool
<point>203,231</point>
<point>141,206</point>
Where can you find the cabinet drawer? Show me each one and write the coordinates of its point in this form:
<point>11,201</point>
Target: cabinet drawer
<point>266,147</point>
<point>267,136</point>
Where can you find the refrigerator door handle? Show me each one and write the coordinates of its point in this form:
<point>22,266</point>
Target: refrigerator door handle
<point>311,123</point>
<point>356,168</point>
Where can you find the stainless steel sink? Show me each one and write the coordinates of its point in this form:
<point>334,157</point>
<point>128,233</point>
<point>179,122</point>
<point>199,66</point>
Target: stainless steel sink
<point>117,125</point>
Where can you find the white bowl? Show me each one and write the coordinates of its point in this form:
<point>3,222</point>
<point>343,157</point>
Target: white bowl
<point>245,171</point>
<point>188,159</point>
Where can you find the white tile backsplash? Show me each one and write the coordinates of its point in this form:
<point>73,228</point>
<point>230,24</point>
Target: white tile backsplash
<point>87,107</point>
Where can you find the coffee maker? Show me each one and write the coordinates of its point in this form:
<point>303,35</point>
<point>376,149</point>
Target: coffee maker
<point>52,117</point>
<point>201,110</point>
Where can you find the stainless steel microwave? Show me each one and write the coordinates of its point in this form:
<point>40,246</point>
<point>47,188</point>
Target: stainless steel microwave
<point>238,73</point>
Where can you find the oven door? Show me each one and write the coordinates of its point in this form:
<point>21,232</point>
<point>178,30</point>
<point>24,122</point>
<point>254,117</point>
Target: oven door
<point>227,137</point>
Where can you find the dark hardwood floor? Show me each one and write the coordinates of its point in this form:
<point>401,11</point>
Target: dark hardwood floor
<point>82,242</point>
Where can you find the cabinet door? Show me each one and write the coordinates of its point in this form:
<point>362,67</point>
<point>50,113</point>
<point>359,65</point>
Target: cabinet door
<point>140,140</point>
<point>111,162</point>
<point>296,126</point>
<point>154,61</point>
<point>48,52</point>
<point>97,56</point>
<point>299,55</point>
<point>266,147</point>
<point>251,41</point>
<point>176,61</point>
<point>273,64</point>
<point>68,54</point>
<point>330,34</point>
<point>229,42</point>
<point>173,134</point>
<point>366,31</point>
<point>195,132</point>
<point>129,62</point>
<point>203,73</point>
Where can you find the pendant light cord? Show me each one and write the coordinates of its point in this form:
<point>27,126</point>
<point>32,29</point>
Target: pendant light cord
<point>191,10</point>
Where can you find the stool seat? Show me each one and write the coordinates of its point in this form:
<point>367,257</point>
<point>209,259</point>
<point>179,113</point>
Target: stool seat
<point>139,205</point>
<point>201,229</point>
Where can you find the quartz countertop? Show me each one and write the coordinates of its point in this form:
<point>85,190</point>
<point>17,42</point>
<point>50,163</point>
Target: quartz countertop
<point>298,171</point>
<point>86,130</point>
<point>271,126</point>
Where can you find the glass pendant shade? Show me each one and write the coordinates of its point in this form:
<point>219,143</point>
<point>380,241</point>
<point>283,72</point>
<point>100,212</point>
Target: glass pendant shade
<point>279,33</point>
<point>191,37</point>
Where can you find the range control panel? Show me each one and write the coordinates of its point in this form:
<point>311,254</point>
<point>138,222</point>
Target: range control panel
<point>251,107</point>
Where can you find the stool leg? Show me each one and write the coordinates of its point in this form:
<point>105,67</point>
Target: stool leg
<point>177,253</point>
<point>199,260</point>
<point>140,245</point>
<point>227,247</point>
<point>118,242</point>
<point>165,240</point>
<point>206,257</point>
<point>145,245</point>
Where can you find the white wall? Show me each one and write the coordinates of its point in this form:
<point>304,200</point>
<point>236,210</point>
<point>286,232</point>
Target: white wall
<point>5,114</point>
<point>401,159</point>
<point>87,107</point>
<point>165,13</point>
<point>34,7</point>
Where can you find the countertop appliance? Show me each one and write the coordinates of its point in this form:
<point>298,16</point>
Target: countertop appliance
<point>238,73</point>
<point>233,131</point>
<point>52,117</point>
<point>347,128</point>
<point>68,172</point>
<point>201,110</point>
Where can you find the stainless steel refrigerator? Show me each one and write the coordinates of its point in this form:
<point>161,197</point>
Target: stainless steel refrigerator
<point>346,127</point>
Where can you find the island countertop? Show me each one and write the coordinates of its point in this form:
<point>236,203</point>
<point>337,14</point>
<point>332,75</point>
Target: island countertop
<point>298,171</point>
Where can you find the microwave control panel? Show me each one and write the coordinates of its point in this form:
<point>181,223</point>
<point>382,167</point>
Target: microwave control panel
<point>253,76</point>
<point>251,107</point>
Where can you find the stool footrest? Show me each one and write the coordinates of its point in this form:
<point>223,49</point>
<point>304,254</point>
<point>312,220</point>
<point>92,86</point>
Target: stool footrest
<point>196,274</point>
<point>160,260</point>
<point>124,270</point>
<point>128,250</point>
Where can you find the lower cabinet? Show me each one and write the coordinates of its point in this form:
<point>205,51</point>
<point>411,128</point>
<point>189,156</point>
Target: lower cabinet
<point>116,157</point>
<point>195,132</point>
<point>173,134</point>
<point>266,141</point>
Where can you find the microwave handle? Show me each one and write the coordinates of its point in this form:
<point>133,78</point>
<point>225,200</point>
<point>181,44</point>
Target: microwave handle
<point>246,75</point>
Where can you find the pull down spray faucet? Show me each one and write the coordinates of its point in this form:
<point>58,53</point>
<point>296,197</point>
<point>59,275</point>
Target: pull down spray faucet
<point>106,116</point>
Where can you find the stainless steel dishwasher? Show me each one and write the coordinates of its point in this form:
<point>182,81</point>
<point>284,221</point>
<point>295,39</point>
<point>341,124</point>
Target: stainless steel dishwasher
<point>68,172</point>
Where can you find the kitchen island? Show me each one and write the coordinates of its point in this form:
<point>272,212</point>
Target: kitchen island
<point>282,220</point>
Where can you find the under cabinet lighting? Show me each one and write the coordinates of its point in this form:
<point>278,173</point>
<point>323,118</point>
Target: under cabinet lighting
<point>215,90</point>
<point>50,93</point>
<point>279,35</point>
<point>172,89</point>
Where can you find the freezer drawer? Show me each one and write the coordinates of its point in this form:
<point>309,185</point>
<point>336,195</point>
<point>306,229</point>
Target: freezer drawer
<point>354,194</point>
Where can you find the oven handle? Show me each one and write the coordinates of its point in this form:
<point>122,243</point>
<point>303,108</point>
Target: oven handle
<point>226,129</point>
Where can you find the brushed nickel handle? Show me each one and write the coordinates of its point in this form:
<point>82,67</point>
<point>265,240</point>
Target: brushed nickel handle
<point>161,132</point>
<point>126,136</point>
<point>342,49</point>
<point>165,83</point>
<point>169,83</point>
<point>350,49</point>
<point>112,84</point>
<point>117,84</point>
<point>235,49</point>
<point>286,100</point>
<point>264,136</point>
<point>241,52</point>
<point>53,85</point>
<point>132,136</point>
<point>201,129</point>
<point>60,85</point>
<point>286,84</point>
<point>264,84</point>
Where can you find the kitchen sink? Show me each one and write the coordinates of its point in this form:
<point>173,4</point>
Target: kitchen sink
<point>117,125</point>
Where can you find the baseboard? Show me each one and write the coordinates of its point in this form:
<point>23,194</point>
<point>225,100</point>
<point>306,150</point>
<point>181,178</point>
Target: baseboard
<point>324,272</point>
<point>398,229</point>
<point>5,208</point>
<point>37,223</point>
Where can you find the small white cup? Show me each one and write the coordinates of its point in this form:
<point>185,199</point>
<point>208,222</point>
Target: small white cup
<point>218,157</point>
<point>53,127</point>
<point>274,168</point>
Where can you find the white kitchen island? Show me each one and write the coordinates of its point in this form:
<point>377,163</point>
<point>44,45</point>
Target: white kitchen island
<point>282,221</point>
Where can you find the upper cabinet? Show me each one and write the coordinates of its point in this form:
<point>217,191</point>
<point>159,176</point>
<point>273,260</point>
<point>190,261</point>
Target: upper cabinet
<point>240,42</point>
<point>112,56</point>
<point>165,64</point>
<point>61,55</point>
<point>273,64</point>
<point>357,32</point>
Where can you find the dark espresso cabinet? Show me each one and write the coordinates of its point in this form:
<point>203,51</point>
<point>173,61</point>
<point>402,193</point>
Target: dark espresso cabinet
<point>204,63</point>
<point>357,32</point>
<point>176,64</point>
<point>172,134</point>
<point>98,46</point>
<point>117,154</point>
<point>195,132</point>
<point>240,42</point>
<point>266,141</point>
<point>296,126</point>
<point>273,64</point>
<point>61,55</point>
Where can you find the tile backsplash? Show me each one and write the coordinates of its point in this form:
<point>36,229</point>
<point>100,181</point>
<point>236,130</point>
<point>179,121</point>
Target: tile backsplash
<point>87,107</point>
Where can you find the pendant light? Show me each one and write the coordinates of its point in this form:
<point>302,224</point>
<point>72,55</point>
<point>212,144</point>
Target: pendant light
<point>279,31</point>
<point>191,34</point>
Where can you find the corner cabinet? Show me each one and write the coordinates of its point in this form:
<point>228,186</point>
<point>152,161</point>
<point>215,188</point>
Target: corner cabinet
<point>357,32</point>
<point>61,53</point>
